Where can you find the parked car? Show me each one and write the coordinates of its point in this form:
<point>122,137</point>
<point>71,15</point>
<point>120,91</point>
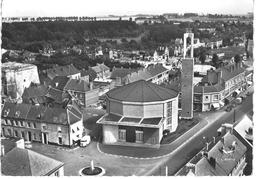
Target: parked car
<point>85,140</point>
<point>229,108</point>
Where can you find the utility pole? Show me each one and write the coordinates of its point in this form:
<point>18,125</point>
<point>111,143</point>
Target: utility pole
<point>234,116</point>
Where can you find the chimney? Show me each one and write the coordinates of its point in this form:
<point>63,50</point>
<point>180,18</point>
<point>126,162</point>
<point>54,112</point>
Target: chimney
<point>207,146</point>
<point>212,162</point>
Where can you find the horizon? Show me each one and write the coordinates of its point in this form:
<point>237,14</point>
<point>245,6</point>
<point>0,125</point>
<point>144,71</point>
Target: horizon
<point>101,8</point>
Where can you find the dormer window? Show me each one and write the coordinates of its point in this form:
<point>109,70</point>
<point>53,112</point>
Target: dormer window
<point>17,113</point>
<point>6,112</point>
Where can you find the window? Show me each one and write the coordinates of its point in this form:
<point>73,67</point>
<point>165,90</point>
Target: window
<point>139,136</point>
<point>215,97</point>
<point>15,133</point>
<point>34,125</point>
<point>6,121</point>
<point>60,140</point>
<point>9,132</point>
<point>21,123</point>
<point>6,112</point>
<point>34,136</point>
<point>169,112</point>
<point>29,124</point>
<point>17,113</point>
<point>16,123</point>
<point>57,174</point>
<point>44,127</point>
<point>206,98</point>
<point>23,135</point>
<point>3,131</point>
<point>122,134</point>
<point>59,129</point>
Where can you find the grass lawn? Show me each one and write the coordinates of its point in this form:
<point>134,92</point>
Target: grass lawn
<point>183,126</point>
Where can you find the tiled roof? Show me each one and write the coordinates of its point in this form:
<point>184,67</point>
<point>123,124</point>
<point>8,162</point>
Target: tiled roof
<point>225,162</point>
<point>59,82</point>
<point>146,73</point>
<point>141,91</point>
<point>100,67</point>
<point>77,85</point>
<point>55,94</point>
<point>208,89</point>
<point>120,72</point>
<point>228,74</point>
<point>34,91</point>
<point>62,71</point>
<point>90,72</point>
<point>64,83</point>
<point>42,113</point>
<point>24,162</point>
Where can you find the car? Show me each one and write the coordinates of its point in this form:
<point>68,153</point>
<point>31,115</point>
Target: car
<point>229,108</point>
<point>85,140</point>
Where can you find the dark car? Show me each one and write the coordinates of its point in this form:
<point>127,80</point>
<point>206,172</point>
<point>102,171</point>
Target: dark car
<point>229,108</point>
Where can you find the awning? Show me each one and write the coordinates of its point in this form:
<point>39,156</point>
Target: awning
<point>216,105</point>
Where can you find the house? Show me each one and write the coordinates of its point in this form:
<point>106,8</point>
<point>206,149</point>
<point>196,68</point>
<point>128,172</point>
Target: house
<point>35,94</point>
<point>219,86</point>
<point>84,92</point>
<point>102,71</point>
<point>18,161</point>
<point>29,56</point>
<point>18,76</point>
<point>225,156</point>
<point>119,75</point>
<point>138,113</point>
<point>60,126</point>
<point>69,71</point>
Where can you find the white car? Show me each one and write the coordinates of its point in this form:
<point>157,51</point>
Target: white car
<point>85,140</point>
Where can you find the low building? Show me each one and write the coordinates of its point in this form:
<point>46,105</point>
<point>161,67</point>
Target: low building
<point>153,73</point>
<point>35,94</point>
<point>16,77</point>
<point>84,92</point>
<point>219,86</point>
<point>102,71</point>
<point>69,71</point>
<point>42,124</point>
<point>18,161</point>
<point>138,113</point>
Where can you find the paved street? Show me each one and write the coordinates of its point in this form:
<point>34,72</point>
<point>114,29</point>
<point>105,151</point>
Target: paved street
<point>173,155</point>
<point>186,152</point>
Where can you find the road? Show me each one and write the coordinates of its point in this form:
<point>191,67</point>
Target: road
<point>187,151</point>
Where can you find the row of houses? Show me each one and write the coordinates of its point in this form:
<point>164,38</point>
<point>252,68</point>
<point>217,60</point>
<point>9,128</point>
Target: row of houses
<point>61,126</point>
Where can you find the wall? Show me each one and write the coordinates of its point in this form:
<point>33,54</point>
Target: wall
<point>151,135</point>
<point>153,110</point>
<point>116,107</point>
<point>77,135</point>
<point>110,133</point>
<point>131,110</point>
<point>91,97</point>
<point>22,78</point>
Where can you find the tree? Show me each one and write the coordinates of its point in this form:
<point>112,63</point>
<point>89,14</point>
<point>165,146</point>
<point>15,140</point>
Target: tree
<point>215,60</point>
<point>202,58</point>
<point>237,58</point>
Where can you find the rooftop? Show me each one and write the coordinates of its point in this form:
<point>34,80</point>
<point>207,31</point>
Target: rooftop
<point>41,113</point>
<point>226,156</point>
<point>15,66</point>
<point>141,91</point>
<point>24,162</point>
<point>62,71</point>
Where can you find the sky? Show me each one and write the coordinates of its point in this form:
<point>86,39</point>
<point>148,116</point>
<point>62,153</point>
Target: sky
<point>12,8</point>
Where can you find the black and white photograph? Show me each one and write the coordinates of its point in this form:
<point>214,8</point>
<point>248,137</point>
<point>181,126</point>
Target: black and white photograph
<point>128,88</point>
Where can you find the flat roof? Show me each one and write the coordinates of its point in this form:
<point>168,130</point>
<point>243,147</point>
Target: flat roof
<point>114,119</point>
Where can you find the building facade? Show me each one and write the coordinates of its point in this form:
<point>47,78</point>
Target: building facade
<point>16,77</point>
<point>42,124</point>
<point>138,114</point>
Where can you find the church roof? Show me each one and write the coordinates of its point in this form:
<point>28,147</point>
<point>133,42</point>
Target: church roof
<point>142,91</point>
